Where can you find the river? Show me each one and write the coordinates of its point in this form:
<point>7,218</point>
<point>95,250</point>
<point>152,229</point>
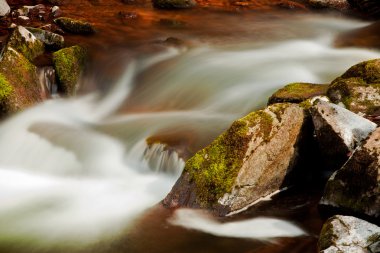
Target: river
<point>77,175</point>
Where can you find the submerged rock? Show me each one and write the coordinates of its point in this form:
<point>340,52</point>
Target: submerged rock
<point>69,63</point>
<point>74,26</point>
<point>356,186</point>
<point>173,4</point>
<point>4,8</point>
<point>26,43</point>
<point>338,132</point>
<point>297,93</point>
<point>349,234</point>
<point>370,8</point>
<point>51,40</point>
<point>250,160</point>
<point>358,89</point>
<point>341,5</point>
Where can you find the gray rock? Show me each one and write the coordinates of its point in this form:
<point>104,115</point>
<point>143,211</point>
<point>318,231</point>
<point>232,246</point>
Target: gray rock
<point>356,186</point>
<point>50,39</point>
<point>349,235</point>
<point>4,8</point>
<point>338,132</point>
<point>249,161</point>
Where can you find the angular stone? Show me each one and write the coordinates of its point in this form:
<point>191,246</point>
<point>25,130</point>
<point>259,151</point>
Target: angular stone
<point>248,161</point>
<point>4,8</point>
<point>338,132</point>
<point>74,26</point>
<point>69,63</point>
<point>356,186</point>
<point>358,89</point>
<point>26,43</point>
<point>349,234</point>
<point>297,93</point>
<point>50,39</point>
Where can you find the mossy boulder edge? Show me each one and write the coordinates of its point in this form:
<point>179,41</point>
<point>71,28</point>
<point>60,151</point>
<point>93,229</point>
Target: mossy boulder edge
<point>248,161</point>
<point>69,64</point>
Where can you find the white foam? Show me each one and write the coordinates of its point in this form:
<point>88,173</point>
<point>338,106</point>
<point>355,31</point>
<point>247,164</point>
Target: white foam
<point>261,228</point>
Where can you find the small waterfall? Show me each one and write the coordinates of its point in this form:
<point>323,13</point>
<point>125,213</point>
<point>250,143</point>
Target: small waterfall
<point>48,81</point>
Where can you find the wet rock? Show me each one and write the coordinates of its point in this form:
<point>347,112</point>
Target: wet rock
<point>371,8</point>
<point>338,132</point>
<point>69,63</point>
<point>349,234</point>
<point>51,40</point>
<point>250,160</point>
<point>173,4</point>
<point>74,26</point>
<point>341,5</point>
<point>23,20</point>
<point>358,89</point>
<point>355,188</point>
<point>56,11</point>
<point>56,2</point>
<point>26,43</point>
<point>297,93</point>
<point>4,8</point>
<point>19,83</point>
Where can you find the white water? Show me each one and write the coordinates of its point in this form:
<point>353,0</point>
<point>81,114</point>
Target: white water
<point>73,170</point>
<point>257,228</point>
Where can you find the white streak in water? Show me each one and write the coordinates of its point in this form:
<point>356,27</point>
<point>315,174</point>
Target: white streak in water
<point>257,228</point>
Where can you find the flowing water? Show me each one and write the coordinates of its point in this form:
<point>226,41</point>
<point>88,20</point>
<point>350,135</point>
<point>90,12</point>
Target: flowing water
<point>77,175</point>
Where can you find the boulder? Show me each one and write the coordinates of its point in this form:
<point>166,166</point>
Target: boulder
<point>358,89</point>
<point>338,132</point>
<point>349,234</point>
<point>51,40</point>
<point>69,63</point>
<point>4,8</point>
<point>74,26</point>
<point>19,83</point>
<point>297,93</point>
<point>355,188</point>
<point>173,4</point>
<point>248,161</point>
<point>26,43</point>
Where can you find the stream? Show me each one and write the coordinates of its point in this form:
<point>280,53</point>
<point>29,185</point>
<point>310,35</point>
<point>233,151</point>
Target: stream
<point>77,174</point>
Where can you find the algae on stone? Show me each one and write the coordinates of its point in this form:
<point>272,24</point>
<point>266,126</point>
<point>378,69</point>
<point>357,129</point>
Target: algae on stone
<point>26,43</point>
<point>297,93</point>
<point>250,160</point>
<point>74,25</point>
<point>69,63</point>
<point>358,89</point>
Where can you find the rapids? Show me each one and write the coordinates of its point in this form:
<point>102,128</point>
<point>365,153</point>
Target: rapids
<point>78,171</point>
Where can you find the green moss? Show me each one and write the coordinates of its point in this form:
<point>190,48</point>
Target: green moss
<point>297,92</point>
<point>74,25</point>
<point>69,63</point>
<point>215,168</point>
<point>369,71</point>
<point>5,89</point>
<point>24,42</point>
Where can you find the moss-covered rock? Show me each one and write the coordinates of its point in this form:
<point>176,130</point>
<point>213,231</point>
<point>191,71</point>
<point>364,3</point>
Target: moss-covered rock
<point>173,4</point>
<point>349,234</point>
<point>250,160</point>
<point>297,93</point>
<point>20,86</point>
<point>51,40</point>
<point>356,186</point>
<point>74,26</point>
<point>69,63</point>
<point>26,43</point>
<point>358,89</point>
<point>338,132</point>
